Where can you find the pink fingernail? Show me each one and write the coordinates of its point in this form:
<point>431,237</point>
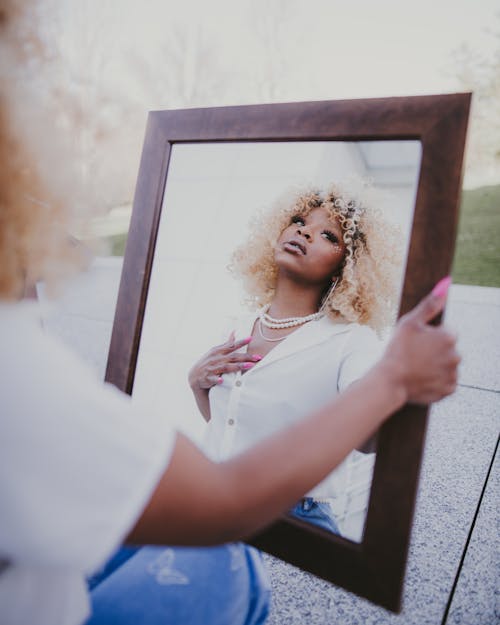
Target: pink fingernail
<point>220,381</point>
<point>248,365</point>
<point>247,340</point>
<point>256,357</point>
<point>442,287</point>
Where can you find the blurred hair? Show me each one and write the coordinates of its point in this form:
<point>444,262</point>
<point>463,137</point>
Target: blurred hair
<point>37,174</point>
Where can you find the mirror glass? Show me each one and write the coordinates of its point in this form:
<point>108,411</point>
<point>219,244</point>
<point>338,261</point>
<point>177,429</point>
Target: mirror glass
<point>193,303</point>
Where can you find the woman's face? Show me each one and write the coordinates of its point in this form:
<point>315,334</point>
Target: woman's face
<point>311,248</point>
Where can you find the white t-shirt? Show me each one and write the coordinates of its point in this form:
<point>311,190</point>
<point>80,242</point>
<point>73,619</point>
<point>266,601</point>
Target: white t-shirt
<point>77,466</point>
<point>302,373</point>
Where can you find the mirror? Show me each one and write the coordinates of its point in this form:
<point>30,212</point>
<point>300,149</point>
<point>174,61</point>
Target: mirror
<point>203,174</point>
<point>212,192</point>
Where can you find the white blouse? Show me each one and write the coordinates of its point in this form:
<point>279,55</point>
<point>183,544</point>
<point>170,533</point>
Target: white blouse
<point>302,373</point>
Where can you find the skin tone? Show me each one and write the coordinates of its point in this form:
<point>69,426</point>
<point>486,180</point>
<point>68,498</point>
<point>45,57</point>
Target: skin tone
<point>216,503</point>
<point>308,254</point>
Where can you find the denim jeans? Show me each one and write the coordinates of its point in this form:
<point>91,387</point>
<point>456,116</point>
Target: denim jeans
<point>315,512</point>
<point>225,585</point>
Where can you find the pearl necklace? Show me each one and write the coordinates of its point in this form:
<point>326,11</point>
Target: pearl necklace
<point>266,338</point>
<point>288,322</point>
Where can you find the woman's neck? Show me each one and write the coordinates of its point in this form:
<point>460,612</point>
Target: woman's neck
<point>294,300</point>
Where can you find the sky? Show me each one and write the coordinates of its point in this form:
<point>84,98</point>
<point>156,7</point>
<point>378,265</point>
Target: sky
<point>122,58</point>
<point>356,48</point>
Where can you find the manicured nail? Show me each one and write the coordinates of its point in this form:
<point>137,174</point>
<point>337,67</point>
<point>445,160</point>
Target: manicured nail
<point>256,357</point>
<point>248,365</point>
<point>442,287</point>
<point>247,340</point>
<point>220,380</point>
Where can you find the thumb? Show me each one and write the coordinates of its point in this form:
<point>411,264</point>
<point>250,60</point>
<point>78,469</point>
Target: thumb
<point>433,303</point>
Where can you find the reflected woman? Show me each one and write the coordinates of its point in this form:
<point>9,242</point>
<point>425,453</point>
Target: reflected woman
<point>321,269</point>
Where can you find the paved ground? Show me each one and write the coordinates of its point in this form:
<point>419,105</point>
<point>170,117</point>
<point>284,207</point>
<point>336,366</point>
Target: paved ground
<point>449,524</point>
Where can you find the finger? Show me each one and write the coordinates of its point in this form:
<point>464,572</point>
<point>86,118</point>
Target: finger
<point>431,305</point>
<point>229,342</point>
<point>235,357</point>
<point>233,367</point>
<point>225,365</point>
<point>213,380</point>
<point>222,346</point>
<point>231,347</point>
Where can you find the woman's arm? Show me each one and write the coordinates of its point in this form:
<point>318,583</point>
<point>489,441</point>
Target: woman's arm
<point>202,401</point>
<point>199,502</point>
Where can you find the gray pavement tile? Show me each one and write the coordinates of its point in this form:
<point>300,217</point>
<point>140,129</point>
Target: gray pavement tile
<point>91,294</point>
<point>474,312</point>
<point>476,600</point>
<point>89,338</point>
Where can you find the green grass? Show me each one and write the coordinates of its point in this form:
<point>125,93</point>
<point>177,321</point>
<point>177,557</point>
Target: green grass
<point>117,244</point>
<point>477,254</point>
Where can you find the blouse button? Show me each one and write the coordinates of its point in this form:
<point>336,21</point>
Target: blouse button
<point>231,421</point>
<point>237,383</point>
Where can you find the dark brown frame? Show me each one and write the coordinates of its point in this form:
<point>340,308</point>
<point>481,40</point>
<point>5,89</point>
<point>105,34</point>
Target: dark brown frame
<point>375,567</point>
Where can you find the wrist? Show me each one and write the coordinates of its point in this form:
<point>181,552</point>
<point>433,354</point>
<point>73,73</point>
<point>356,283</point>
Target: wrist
<point>392,378</point>
<point>198,390</point>
<point>193,381</point>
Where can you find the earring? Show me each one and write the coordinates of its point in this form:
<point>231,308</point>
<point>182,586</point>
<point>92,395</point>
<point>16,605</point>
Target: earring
<point>328,293</point>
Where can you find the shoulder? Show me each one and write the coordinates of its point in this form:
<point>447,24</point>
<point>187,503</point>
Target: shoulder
<point>358,331</point>
<point>361,338</point>
<point>351,332</point>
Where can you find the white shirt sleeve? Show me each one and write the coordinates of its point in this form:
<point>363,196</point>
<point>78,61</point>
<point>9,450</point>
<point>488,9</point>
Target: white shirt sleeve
<point>361,351</point>
<point>77,463</point>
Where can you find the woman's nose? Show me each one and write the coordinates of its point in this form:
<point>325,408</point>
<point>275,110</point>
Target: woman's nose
<point>304,233</point>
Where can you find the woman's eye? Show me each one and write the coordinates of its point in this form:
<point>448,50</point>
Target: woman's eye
<point>298,220</point>
<point>330,236</point>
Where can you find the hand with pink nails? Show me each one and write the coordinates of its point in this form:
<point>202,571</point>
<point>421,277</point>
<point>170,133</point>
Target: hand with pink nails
<point>221,359</point>
<point>422,357</point>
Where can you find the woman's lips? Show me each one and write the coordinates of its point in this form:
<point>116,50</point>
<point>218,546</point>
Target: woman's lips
<point>296,247</point>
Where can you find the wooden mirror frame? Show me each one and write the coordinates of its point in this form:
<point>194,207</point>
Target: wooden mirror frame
<point>375,567</point>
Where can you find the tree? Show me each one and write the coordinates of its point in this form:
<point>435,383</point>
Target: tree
<point>481,75</point>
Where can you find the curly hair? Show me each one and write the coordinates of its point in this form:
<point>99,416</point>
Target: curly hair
<point>368,284</point>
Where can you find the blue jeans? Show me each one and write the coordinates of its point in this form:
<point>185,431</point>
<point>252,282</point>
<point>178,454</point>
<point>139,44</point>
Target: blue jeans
<point>315,512</point>
<point>225,585</point>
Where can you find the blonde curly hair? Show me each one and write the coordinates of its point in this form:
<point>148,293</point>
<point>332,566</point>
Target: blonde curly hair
<point>367,289</point>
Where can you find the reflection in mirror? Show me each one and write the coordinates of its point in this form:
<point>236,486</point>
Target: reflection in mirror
<point>213,192</point>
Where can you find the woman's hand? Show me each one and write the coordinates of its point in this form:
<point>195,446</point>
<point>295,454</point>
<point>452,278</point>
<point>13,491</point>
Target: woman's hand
<point>208,371</point>
<point>422,358</point>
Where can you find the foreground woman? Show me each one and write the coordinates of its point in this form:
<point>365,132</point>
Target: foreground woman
<point>82,470</point>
